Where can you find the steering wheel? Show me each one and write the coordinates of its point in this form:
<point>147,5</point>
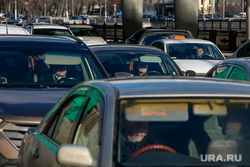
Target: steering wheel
<point>154,72</point>
<point>152,147</point>
<point>69,79</point>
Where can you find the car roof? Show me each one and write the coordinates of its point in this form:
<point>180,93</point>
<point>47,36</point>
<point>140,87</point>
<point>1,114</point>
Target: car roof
<point>80,26</point>
<point>147,30</point>
<point>172,86</point>
<point>49,26</point>
<point>124,47</point>
<point>12,29</point>
<point>42,39</point>
<point>187,40</point>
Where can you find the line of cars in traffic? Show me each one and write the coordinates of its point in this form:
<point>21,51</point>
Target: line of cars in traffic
<point>87,120</point>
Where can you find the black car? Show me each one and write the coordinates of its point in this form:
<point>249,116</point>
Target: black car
<point>138,34</point>
<point>236,69</point>
<point>27,64</point>
<point>127,58</point>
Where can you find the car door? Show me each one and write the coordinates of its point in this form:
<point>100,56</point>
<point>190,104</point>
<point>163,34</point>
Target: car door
<point>65,126</point>
<point>229,71</point>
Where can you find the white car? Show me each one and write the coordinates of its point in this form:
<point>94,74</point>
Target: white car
<point>184,53</point>
<point>86,33</point>
<point>48,29</point>
<point>12,29</point>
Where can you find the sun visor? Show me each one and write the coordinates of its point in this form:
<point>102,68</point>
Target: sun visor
<point>58,59</point>
<point>157,112</point>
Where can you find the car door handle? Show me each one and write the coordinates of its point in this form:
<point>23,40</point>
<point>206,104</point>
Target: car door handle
<point>35,154</point>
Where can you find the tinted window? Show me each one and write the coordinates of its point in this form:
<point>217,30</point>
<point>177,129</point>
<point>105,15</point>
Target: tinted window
<point>35,65</point>
<point>63,124</point>
<point>84,32</point>
<point>221,72</point>
<point>88,131</point>
<point>179,132</point>
<point>244,51</point>
<point>51,32</point>
<point>237,74</point>
<point>128,62</point>
<point>158,45</point>
<point>148,39</point>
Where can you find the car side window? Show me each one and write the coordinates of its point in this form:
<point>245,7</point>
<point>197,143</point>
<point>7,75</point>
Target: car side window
<point>63,124</point>
<point>88,131</point>
<point>244,51</point>
<point>237,74</point>
<point>221,72</point>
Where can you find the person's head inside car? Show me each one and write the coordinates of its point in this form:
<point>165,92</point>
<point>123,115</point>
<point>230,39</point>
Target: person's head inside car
<point>135,131</point>
<point>200,51</point>
<point>56,74</point>
<point>60,71</point>
<point>142,68</point>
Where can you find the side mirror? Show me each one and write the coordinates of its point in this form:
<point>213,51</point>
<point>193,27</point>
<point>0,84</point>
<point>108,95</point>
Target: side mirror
<point>190,73</point>
<point>123,75</point>
<point>74,155</point>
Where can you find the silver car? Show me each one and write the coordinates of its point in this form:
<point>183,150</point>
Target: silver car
<point>152,121</point>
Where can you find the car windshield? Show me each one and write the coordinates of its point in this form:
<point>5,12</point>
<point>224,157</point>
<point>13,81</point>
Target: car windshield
<point>84,32</point>
<point>183,132</point>
<point>190,51</point>
<point>51,32</point>
<point>148,39</point>
<point>53,66</point>
<point>129,62</point>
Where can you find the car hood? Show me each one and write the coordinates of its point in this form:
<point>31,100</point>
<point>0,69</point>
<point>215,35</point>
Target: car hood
<point>199,66</point>
<point>27,105</point>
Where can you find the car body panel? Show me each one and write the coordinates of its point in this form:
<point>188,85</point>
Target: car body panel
<point>115,91</point>
<point>199,66</point>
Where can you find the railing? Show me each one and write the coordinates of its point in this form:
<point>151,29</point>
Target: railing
<point>227,34</point>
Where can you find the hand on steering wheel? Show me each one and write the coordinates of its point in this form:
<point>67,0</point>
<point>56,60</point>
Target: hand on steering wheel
<point>152,147</point>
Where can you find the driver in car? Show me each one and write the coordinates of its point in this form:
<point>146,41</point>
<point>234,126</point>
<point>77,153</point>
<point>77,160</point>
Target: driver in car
<point>58,74</point>
<point>134,138</point>
<point>142,69</point>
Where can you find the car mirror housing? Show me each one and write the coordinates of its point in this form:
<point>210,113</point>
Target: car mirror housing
<point>190,73</point>
<point>74,155</point>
